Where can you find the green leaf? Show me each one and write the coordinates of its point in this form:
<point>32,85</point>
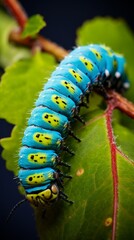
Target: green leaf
<point>19,89</point>
<point>9,53</point>
<point>33,26</point>
<point>91,188</point>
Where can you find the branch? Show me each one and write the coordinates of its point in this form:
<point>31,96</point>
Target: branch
<point>118,101</point>
<point>45,44</point>
<point>21,17</point>
<point>17,11</point>
<point>115,99</point>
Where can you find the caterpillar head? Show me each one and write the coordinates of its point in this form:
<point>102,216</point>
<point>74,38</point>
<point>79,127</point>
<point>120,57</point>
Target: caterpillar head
<point>45,197</point>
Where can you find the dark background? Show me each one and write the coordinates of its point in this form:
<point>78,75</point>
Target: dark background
<point>63,18</point>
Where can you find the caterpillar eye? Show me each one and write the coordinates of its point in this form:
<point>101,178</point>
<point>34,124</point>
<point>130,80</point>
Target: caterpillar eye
<point>55,189</point>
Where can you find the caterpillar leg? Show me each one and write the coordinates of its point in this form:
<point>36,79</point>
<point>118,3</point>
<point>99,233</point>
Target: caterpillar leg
<point>65,148</point>
<point>65,176</point>
<point>66,200</point>
<point>59,177</point>
<point>87,97</point>
<point>71,133</point>
<point>78,117</point>
<point>64,164</point>
<point>62,193</point>
<point>83,104</point>
<point>61,163</point>
<point>102,90</point>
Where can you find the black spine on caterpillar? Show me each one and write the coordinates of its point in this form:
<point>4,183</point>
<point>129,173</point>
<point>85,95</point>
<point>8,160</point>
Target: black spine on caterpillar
<point>85,68</point>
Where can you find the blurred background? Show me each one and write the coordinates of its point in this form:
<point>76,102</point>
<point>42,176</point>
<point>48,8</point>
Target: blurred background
<point>63,18</point>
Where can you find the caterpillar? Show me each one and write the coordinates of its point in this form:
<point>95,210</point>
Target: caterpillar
<point>84,69</point>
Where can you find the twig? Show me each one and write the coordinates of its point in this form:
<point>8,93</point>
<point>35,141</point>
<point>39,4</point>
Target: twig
<point>118,101</point>
<point>45,44</point>
<point>17,11</point>
<point>21,17</point>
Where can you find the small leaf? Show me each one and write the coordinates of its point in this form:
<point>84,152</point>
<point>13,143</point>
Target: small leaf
<point>18,90</point>
<point>33,26</point>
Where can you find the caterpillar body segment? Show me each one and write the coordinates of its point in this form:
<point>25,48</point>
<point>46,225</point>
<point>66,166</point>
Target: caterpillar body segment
<point>46,118</point>
<point>73,74</point>
<point>57,102</point>
<point>32,158</point>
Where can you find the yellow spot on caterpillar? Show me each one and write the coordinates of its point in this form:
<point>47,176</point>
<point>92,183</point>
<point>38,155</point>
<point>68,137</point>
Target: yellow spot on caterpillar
<point>61,102</point>
<point>70,87</point>
<point>47,193</point>
<point>52,119</point>
<point>87,63</point>
<point>97,54</point>
<point>42,138</point>
<point>53,159</point>
<point>35,179</point>
<point>108,49</point>
<point>50,175</point>
<point>76,75</point>
<point>38,158</point>
<point>115,64</point>
<point>108,221</point>
<point>80,172</point>
<point>58,142</point>
<point>41,197</point>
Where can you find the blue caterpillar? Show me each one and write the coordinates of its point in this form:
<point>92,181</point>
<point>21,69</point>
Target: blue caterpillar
<point>85,68</point>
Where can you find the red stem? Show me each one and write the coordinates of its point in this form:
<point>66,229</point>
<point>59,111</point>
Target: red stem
<point>121,103</point>
<point>17,11</point>
<point>114,167</point>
